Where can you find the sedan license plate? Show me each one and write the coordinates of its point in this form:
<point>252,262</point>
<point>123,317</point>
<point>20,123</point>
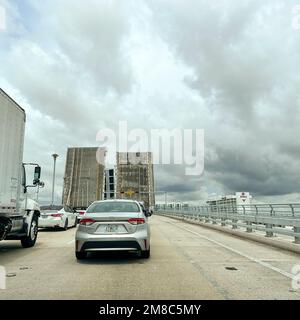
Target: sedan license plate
<point>111,228</point>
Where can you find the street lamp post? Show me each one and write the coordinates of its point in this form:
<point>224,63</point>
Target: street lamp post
<point>55,156</point>
<point>166,199</point>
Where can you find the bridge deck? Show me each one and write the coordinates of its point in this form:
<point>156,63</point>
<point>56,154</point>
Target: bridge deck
<point>187,262</point>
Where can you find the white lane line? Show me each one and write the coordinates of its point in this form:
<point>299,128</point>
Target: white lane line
<point>71,242</point>
<point>264,264</point>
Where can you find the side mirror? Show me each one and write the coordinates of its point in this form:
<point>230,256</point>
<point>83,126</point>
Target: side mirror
<point>37,175</point>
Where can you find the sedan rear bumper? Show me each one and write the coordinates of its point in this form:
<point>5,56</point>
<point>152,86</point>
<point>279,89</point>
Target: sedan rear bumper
<point>124,242</point>
<point>50,223</point>
<point>115,245</point>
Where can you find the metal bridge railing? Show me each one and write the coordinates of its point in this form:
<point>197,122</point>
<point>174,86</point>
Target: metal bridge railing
<point>270,218</point>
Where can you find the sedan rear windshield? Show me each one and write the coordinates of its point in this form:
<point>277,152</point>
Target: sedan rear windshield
<point>113,207</point>
<point>51,208</point>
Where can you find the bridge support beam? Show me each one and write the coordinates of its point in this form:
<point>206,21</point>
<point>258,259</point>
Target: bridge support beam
<point>249,227</point>
<point>234,222</point>
<point>269,233</point>
<point>223,222</point>
<point>297,237</point>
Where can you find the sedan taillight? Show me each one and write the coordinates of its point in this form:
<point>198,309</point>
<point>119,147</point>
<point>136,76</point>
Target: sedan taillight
<point>87,221</point>
<point>57,215</point>
<point>136,221</point>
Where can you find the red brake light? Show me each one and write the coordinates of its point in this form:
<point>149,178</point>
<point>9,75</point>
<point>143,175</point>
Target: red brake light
<point>56,215</point>
<point>87,221</point>
<point>136,221</point>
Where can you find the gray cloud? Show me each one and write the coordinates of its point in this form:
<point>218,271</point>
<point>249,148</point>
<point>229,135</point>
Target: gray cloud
<point>243,57</point>
<point>257,172</point>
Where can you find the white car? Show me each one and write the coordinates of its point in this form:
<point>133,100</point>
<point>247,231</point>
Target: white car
<point>57,217</point>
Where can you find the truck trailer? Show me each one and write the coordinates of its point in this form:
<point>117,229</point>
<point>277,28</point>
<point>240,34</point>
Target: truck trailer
<point>18,213</point>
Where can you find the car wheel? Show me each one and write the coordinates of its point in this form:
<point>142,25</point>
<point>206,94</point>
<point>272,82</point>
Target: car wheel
<point>66,225</point>
<point>30,240</point>
<point>145,254</point>
<point>80,255</point>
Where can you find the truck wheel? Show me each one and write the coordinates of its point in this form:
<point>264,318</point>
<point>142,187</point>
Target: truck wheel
<point>29,241</point>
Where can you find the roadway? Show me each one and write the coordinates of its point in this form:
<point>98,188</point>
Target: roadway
<point>187,262</point>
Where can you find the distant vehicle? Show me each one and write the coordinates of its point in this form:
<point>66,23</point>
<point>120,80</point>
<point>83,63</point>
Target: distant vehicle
<point>19,214</point>
<point>113,225</point>
<point>80,213</point>
<point>62,217</point>
<point>151,208</point>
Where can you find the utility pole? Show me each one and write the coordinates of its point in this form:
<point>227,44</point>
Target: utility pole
<point>140,198</point>
<point>55,156</point>
<point>88,188</point>
<point>87,193</point>
<point>166,200</point>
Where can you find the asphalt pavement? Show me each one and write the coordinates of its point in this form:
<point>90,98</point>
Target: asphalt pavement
<point>187,262</point>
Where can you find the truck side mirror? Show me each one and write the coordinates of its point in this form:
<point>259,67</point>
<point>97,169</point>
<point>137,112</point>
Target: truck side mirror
<point>37,175</point>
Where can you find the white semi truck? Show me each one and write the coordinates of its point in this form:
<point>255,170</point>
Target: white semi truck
<point>18,213</point>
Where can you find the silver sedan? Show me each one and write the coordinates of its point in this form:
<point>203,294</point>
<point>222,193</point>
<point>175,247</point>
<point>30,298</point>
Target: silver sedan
<point>113,225</point>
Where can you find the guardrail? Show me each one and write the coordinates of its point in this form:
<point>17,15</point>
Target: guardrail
<point>271,218</point>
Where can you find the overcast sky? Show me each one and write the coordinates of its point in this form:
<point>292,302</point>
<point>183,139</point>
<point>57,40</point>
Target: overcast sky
<point>226,66</point>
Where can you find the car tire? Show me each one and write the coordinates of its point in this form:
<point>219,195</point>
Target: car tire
<point>80,255</point>
<point>65,228</point>
<point>145,254</point>
<point>30,240</point>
